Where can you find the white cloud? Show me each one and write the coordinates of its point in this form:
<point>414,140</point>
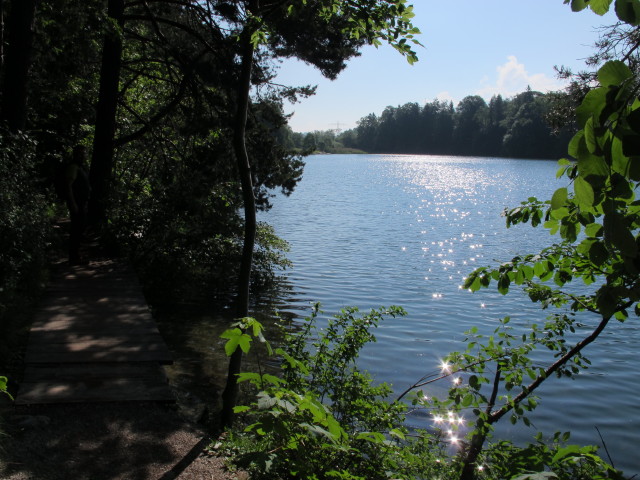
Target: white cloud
<point>513,78</point>
<point>445,97</point>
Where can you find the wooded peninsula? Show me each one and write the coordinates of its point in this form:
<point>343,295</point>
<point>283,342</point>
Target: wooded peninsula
<point>527,125</point>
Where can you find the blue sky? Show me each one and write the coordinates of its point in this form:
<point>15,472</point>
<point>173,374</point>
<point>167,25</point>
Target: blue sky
<point>470,47</point>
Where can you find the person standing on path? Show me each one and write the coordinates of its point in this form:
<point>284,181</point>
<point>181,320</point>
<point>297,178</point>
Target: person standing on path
<point>78,192</point>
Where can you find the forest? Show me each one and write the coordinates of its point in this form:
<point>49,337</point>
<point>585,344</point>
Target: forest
<point>176,103</point>
<point>518,127</point>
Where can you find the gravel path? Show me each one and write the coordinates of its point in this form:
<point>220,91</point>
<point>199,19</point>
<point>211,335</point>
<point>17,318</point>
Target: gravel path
<point>105,442</point>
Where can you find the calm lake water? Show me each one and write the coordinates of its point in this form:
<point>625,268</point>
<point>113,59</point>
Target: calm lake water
<point>373,230</point>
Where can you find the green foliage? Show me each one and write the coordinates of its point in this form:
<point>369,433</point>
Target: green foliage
<point>546,460</point>
<point>627,11</point>
<point>3,386</point>
<point>597,218</point>
<point>25,233</point>
<point>373,21</point>
<point>326,405</point>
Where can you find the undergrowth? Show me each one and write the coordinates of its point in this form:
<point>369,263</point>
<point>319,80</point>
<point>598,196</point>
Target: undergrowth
<point>324,418</point>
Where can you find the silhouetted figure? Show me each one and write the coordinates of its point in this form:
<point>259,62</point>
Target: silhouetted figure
<point>77,196</point>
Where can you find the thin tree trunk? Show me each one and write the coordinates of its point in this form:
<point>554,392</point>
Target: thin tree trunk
<point>103,142</point>
<point>17,63</point>
<point>477,440</point>
<point>1,37</point>
<point>230,394</point>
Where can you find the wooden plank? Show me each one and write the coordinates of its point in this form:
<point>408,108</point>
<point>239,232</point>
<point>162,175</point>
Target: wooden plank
<point>106,323</point>
<point>133,354</point>
<point>73,372</point>
<point>42,339</point>
<point>97,321</point>
<point>101,344</point>
<point>100,308</point>
<point>108,390</point>
<point>95,298</point>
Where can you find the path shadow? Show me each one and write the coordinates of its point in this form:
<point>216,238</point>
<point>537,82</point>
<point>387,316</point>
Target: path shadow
<point>124,441</point>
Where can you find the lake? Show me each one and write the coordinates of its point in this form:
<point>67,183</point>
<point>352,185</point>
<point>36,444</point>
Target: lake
<point>373,230</point>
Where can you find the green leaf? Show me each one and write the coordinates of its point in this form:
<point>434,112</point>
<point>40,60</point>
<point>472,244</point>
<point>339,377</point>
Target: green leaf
<point>233,336</point>
<point>552,225</point>
<point>620,162</point>
<point>560,213</point>
<point>569,231</point>
<point>585,246</point>
<point>266,377</point>
<point>248,376</point>
<point>584,192</point>
<point>568,451</point>
<point>503,284</point>
<point>593,165</point>
<point>536,476</point>
<point>614,72</point>
<point>619,235</point>
<point>598,254</point>
<point>559,198</point>
<point>528,271</point>
<point>633,120</point>
<point>373,437</point>
<point>241,408</point>
<point>606,302</point>
<point>593,230</point>
<point>575,144</point>
<point>244,342</point>
<point>592,105</point>
<point>578,5</point>
<point>600,7</point>
<point>590,136</point>
<point>628,11</point>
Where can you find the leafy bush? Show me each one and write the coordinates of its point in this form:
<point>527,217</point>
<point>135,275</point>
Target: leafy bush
<point>187,246</point>
<point>324,418</point>
<point>25,228</point>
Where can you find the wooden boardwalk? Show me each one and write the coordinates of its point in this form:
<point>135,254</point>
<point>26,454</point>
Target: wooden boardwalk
<point>94,340</point>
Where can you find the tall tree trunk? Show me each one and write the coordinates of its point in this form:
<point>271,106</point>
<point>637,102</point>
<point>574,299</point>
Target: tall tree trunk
<point>230,394</point>
<point>17,62</point>
<point>103,141</point>
<point>1,37</point>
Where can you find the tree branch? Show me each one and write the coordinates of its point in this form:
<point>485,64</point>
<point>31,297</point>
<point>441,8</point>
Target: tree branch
<point>157,117</point>
<point>498,414</point>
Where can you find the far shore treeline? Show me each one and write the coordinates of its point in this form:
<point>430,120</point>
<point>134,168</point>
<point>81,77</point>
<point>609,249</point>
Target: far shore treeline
<point>517,127</point>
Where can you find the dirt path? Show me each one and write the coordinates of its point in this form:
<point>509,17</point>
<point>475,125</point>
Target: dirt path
<point>106,442</point>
